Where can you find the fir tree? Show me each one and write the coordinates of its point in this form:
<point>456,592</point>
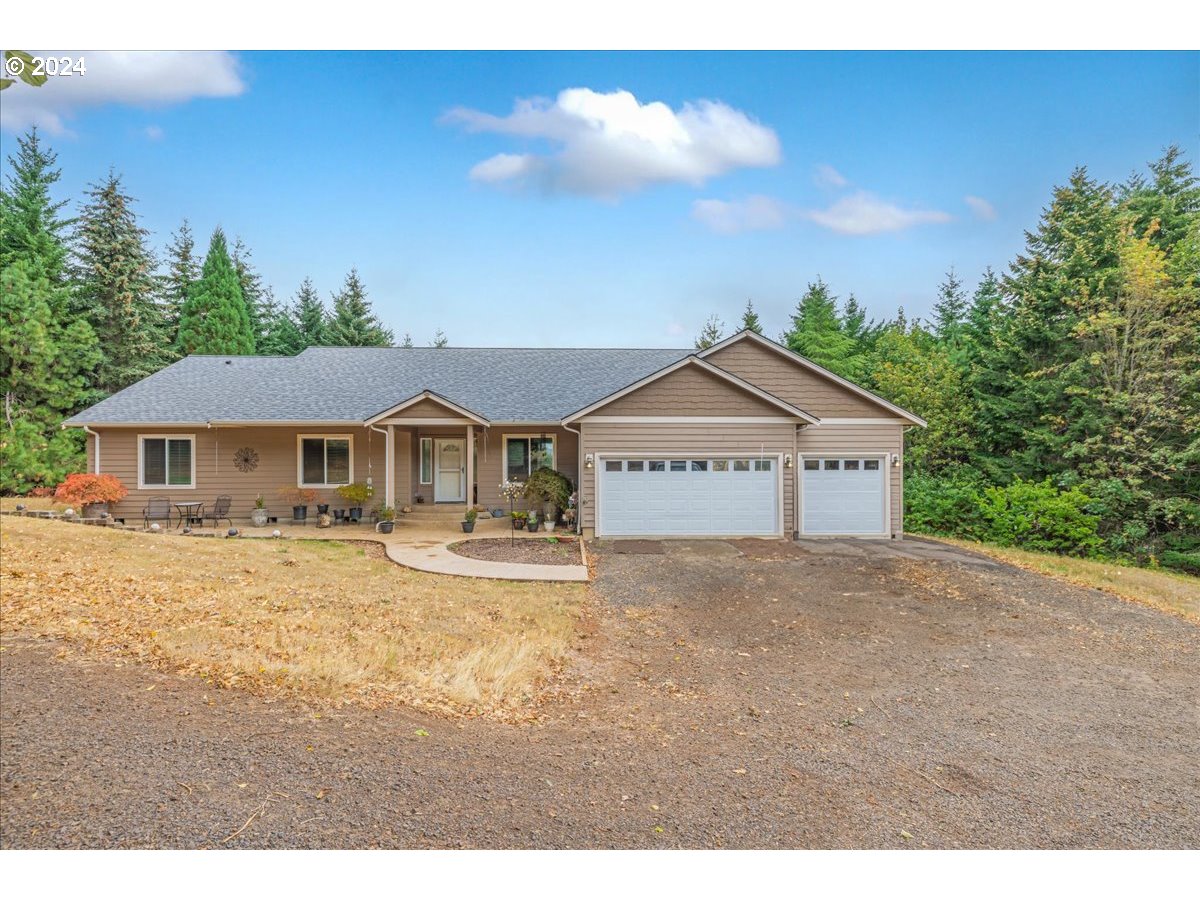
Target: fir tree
<point>310,316</point>
<point>115,287</point>
<point>281,336</point>
<point>817,334</point>
<point>440,340</point>
<point>950,309</point>
<point>254,292</point>
<point>33,228</point>
<point>407,343</point>
<point>183,271</point>
<point>750,320</point>
<point>353,324</point>
<point>711,333</point>
<point>214,318</point>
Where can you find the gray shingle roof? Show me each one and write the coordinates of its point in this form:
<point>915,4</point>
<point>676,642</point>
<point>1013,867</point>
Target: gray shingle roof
<point>352,384</point>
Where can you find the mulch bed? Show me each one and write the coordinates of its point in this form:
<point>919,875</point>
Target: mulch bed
<point>540,551</point>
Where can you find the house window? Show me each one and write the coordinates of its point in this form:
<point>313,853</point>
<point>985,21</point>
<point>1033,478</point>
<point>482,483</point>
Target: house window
<point>325,460</point>
<point>741,465</point>
<point>612,465</point>
<point>871,465</point>
<point>851,465</point>
<point>720,465</point>
<point>699,465</point>
<point>762,465</point>
<point>656,465</point>
<point>832,465</point>
<point>811,465</point>
<point>524,455</point>
<point>635,465</point>
<point>679,465</point>
<point>426,460</point>
<point>167,461</point>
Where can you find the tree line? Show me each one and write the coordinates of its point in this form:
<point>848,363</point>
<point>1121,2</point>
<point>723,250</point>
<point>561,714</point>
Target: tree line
<point>1063,396</point>
<point>87,308</point>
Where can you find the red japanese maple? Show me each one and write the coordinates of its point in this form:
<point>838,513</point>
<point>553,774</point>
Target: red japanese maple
<point>81,489</point>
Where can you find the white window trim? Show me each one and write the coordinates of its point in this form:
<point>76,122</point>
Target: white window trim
<point>141,451</point>
<point>300,482</point>
<point>527,436</point>
<point>421,461</point>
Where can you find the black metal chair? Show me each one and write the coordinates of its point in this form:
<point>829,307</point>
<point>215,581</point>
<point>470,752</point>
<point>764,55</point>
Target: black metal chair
<point>156,509</point>
<point>220,510</point>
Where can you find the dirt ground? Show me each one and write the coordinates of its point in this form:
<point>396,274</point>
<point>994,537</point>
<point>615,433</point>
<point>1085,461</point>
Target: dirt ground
<point>539,552</point>
<point>723,698</point>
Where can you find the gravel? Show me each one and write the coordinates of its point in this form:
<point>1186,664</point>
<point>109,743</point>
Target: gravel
<point>716,700</point>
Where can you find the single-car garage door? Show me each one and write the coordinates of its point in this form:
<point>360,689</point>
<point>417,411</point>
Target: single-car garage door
<point>843,495</point>
<point>700,495</point>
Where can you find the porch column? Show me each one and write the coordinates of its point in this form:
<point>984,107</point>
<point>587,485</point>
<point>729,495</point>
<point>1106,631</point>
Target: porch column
<point>389,469</point>
<point>470,466</point>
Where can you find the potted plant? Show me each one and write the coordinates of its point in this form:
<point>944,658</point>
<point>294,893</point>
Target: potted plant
<point>550,491</point>
<point>387,520</point>
<point>419,497</point>
<point>356,494</point>
<point>299,497</point>
<point>532,522</point>
<point>258,515</point>
<point>519,520</point>
<point>322,509</point>
<point>92,492</point>
<point>468,522</point>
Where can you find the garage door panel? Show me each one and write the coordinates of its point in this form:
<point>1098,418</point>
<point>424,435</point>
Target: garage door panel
<point>700,498</point>
<point>843,495</point>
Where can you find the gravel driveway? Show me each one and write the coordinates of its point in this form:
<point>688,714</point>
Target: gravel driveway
<point>724,694</point>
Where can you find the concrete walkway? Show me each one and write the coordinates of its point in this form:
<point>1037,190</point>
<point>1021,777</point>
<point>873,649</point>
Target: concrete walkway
<point>427,550</point>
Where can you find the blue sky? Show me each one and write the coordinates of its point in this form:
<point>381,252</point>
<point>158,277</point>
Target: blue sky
<point>598,221</point>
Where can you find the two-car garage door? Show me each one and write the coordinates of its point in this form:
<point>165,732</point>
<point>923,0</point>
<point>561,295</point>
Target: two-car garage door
<point>721,496</point>
<point>700,495</point>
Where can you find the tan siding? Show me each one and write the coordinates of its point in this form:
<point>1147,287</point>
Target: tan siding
<point>689,392</point>
<point>427,409</point>
<point>216,473</point>
<point>789,381</point>
<point>863,439</point>
<point>700,439</point>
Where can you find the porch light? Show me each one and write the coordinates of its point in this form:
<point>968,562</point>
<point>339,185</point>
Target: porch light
<point>787,460</point>
<point>895,460</point>
<point>589,460</point>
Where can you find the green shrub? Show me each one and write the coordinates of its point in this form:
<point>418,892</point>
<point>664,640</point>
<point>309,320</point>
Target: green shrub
<point>946,504</point>
<point>549,486</point>
<point>1038,516</point>
<point>1181,551</point>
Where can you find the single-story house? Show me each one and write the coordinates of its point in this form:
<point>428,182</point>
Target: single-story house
<point>744,438</point>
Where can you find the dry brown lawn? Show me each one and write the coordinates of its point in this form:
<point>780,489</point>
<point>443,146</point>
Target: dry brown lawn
<point>330,620</point>
<point>1169,591</point>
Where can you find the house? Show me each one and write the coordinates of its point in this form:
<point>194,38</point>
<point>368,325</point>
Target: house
<point>745,438</point>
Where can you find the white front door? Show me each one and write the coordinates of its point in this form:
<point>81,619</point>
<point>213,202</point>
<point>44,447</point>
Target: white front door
<point>450,474</point>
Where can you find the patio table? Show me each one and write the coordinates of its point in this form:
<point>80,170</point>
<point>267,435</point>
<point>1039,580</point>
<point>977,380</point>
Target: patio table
<point>188,511</point>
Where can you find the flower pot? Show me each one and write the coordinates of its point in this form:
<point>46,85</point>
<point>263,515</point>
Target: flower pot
<point>549,525</point>
<point>533,524</point>
<point>356,513</point>
<point>322,509</point>
<point>259,517</point>
<point>519,524</point>
<point>385,527</point>
<point>299,513</point>
<point>468,527</point>
<point>420,499</point>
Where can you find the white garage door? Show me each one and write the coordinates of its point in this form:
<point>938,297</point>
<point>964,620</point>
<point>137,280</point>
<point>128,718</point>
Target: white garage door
<point>700,495</point>
<point>843,495</point>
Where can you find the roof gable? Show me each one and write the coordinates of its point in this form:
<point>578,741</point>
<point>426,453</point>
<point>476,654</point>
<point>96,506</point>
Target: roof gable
<point>800,381</point>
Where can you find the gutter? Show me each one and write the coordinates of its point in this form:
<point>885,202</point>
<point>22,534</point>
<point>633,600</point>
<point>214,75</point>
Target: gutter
<point>579,469</point>
<point>96,435</point>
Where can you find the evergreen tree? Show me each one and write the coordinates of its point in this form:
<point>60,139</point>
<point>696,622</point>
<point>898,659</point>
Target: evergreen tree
<point>310,316</point>
<point>750,321</point>
<point>281,336</point>
<point>44,365</point>
<point>817,334</point>
<point>440,340</point>
<point>254,292</point>
<point>711,333</point>
<point>353,324</point>
<point>950,310</point>
<point>31,225</point>
<point>183,271</point>
<point>115,287</point>
<point>407,343</point>
<point>214,318</point>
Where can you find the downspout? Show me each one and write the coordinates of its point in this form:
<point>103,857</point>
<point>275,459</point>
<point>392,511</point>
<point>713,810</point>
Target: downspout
<point>96,435</point>
<point>387,488</point>
<point>579,470</point>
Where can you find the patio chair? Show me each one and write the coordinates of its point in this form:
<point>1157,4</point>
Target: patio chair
<point>156,509</point>
<point>220,510</point>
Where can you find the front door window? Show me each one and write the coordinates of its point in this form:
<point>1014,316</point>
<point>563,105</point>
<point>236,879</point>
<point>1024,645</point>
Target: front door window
<point>451,468</point>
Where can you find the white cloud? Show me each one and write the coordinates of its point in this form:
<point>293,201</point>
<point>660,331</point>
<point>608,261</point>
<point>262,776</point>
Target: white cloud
<point>827,176</point>
<point>863,213</point>
<point>981,208</point>
<point>137,78</point>
<point>755,213</point>
<point>608,144</point>
<point>675,328</point>
<point>154,133</point>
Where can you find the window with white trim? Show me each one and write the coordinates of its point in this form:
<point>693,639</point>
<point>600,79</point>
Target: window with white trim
<point>166,461</point>
<point>325,460</point>
<point>426,460</point>
<point>524,454</point>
